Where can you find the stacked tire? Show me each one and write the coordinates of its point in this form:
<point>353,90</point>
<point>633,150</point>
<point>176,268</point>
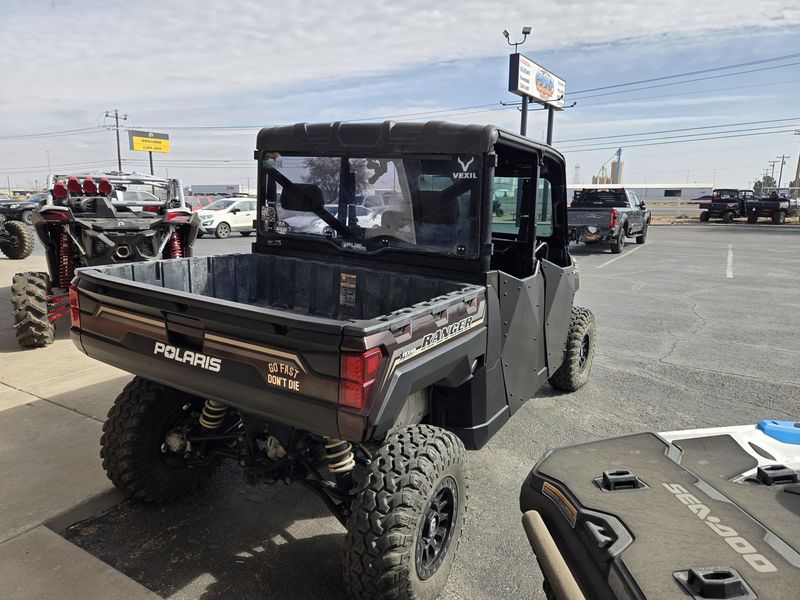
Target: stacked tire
<point>29,293</point>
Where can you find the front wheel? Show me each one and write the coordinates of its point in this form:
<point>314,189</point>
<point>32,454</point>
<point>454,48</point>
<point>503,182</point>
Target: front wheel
<point>20,243</point>
<point>641,239</point>
<point>727,217</point>
<point>407,517</point>
<point>222,231</point>
<point>29,292</point>
<point>574,371</point>
<point>133,446</point>
<point>779,218</point>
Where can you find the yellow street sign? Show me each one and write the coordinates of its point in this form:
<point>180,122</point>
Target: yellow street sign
<point>148,141</point>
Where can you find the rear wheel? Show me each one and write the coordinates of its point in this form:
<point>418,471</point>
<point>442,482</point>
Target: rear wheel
<point>21,242</point>
<point>134,435</point>
<point>779,218</point>
<point>704,216</point>
<point>222,231</point>
<point>619,243</point>
<point>29,293</point>
<point>574,371</point>
<point>727,217</point>
<point>408,516</point>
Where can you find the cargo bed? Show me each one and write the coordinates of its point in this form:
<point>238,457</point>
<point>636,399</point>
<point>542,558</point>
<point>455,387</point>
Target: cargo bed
<point>277,324</point>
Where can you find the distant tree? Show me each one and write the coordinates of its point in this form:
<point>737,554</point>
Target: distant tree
<point>766,181</point>
<point>324,173</point>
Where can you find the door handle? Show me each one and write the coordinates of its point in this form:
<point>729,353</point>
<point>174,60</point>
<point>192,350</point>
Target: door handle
<point>541,248</point>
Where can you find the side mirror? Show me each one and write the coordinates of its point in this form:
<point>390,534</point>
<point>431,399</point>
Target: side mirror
<point>302,197</point>
<point>642,204</point>
<point>235,210</point>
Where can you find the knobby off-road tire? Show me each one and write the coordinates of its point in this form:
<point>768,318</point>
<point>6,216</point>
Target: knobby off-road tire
<point>619,243</point>
<point>574,371</point>
<point>416,484</point>
<point>23,243</point>
<point>29,293</point>
<point>136,428</point>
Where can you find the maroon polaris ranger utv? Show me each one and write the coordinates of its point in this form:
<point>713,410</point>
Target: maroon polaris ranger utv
<point>357,360</point>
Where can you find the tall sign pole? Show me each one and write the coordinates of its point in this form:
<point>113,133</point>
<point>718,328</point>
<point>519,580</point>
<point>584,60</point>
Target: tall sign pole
<point>535,83</point>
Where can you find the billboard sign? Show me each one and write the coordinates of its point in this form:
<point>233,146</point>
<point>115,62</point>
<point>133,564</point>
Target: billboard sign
<point>148,141</point>
<point>526,78</point>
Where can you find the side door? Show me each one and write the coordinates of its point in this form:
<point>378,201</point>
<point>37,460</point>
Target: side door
<point>249,214</point>
<point>635,220</point>
<point>237,216</point>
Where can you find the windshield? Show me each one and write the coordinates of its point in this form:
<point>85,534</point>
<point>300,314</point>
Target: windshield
<point>605,198</point>
<point>425,203</point>
<point>220,205</point>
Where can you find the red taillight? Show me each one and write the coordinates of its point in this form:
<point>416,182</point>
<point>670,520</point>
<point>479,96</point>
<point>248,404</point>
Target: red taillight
<point>105,186</point>
<point>152,209</point>
<point>74,307</point>
<point>59,190</point>
<point>179,216</point>
<point>54,215</point>
<point>89,186</point>
<point>614,217</point>
<point>73,185</point>
<point>357,376</point>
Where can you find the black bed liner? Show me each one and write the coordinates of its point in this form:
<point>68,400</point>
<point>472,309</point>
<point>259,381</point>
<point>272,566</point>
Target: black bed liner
<point>354,299</point>
<point>633,543</point>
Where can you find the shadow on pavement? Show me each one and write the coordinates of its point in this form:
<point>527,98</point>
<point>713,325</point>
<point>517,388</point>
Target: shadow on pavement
<point>227,541</point>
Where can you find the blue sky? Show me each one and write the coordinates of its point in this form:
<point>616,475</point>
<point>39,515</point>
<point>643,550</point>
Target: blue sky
<point>244,63</point>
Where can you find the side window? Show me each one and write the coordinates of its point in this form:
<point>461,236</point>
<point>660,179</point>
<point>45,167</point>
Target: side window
<point>544,209</point>
<point>506,200</point>
<point>251,205</point>
<point>634,199</point>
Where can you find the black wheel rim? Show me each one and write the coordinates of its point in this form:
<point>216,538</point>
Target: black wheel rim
<point>436,528</point>
<point>584,356</point>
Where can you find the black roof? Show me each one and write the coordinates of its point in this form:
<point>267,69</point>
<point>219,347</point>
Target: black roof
<point>389,138</point>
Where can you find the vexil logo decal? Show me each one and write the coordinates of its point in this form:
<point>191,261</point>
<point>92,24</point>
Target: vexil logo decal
<point>464,166</point>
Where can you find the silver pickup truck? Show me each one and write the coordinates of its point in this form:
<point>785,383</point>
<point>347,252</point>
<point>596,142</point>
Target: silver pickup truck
<point>607,215</point>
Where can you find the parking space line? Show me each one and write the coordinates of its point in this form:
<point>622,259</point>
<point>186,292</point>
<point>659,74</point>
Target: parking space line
<point>729,269</point>
<point>628,253</point>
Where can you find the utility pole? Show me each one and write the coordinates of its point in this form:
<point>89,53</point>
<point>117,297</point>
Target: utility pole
<point>772,164</point>
<point>117,117</point>
<point>782,158</point>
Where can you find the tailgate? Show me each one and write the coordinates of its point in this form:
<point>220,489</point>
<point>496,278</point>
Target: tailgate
<point>579,217</point>
<point>263,361</point>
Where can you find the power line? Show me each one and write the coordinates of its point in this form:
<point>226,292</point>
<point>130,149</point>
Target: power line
<point>689,73</point>
<point>660,85</point>
<point>605,137</point>
<point>681,141</point>
<point>46,134</point>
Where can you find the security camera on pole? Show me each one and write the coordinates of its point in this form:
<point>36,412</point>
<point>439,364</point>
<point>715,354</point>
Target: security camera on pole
<point>533,82</point>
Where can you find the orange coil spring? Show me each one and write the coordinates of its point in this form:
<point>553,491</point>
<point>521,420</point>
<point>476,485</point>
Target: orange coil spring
<point>66,268</point>
<point>175,248</point>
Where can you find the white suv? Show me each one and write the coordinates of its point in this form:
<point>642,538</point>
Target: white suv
<point>226,215</point>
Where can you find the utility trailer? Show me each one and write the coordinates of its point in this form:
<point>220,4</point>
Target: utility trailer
<point>357,361</point>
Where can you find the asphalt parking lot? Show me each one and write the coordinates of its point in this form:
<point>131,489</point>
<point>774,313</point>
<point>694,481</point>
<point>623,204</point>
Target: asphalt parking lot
<point>696,328</point>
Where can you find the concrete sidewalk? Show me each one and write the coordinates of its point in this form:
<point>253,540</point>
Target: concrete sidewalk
<point>52,405</point>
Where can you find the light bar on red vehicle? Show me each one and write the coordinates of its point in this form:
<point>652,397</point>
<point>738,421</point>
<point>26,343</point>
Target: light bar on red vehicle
<point>89,186</point>
<point>59,190</point>
<point>105,186</point>
<point>74,186</point>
